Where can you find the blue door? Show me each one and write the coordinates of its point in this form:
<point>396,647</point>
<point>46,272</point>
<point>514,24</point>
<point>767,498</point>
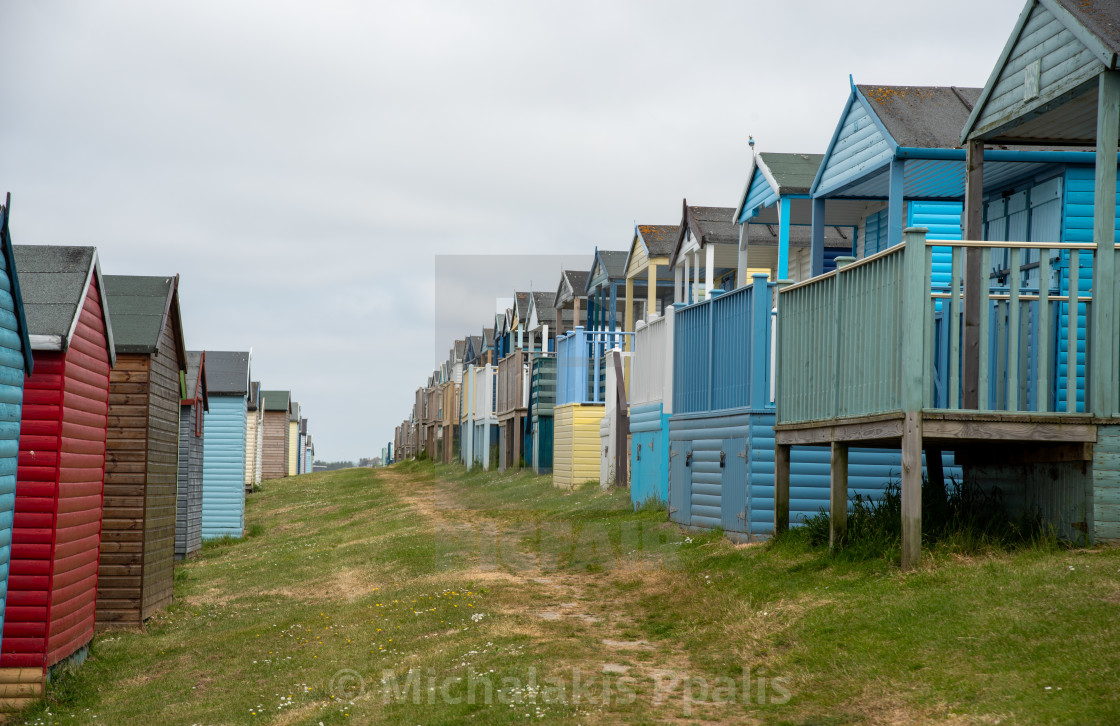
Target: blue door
<point>734,505</point>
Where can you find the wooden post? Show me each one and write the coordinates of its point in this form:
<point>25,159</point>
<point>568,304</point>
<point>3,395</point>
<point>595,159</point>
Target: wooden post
<point>741,269</point>
<point>911,489</point>
<point>781,488</point>
<point>838,496</point>
<point>575,310</point>
<point>974,275</point>
<point>760,342</point>
<point>816,249</point>
<point>783,238</point>
<point>651,293</point>
<point>695,277</point>
<point>687,291</point>
<point>1102,376</point>
<point>516,425</point>
<point>622,425</point>
<point>678,284</point>
<point>709,270</point>
<point>896,202</point>
<point>915,297</point>
<point>629,317</point>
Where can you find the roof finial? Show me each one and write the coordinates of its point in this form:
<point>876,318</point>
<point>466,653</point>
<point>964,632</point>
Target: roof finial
<point>750,140</point>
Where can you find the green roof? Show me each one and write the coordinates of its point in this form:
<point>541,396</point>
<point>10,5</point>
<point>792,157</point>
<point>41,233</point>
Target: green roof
<point>275,400</point>
<point>793,172</point>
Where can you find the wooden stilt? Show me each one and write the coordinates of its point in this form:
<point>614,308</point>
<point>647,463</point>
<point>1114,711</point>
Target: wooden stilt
<point>838,497</point>
<point>781,488</point>
<point>974,275</point>
<point>911,489</point>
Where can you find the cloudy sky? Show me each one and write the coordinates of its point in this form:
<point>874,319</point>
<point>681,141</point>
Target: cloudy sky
<point>302,165</point>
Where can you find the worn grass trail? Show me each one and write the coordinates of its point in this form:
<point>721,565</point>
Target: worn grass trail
<point>424,594</point>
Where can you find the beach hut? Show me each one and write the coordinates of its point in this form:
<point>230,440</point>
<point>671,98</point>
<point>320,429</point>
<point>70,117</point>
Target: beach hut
<point>649,300</point>
<point>52,582</point>
<point>253,435</point>
<point>570,300</point>
<point>15,363</point>
<point>706,254</point>
<point>192,413</point>
<point>274,458</point>
<point>542,380</point>
<point>293,438</point>
<point>136,574</point>
<point>223,456</point>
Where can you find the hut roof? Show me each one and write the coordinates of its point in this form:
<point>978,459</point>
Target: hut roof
<point>275,400</point>
<point>254,395</point>
<point>54,281</point>
<point>196,368</point>
<point>141,306</point>
<point>227,371</point>
<point>659,238</point>
<point>924,117</point>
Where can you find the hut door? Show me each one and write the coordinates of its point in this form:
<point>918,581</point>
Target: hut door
<point>734,503</point>
<point>680,481</point>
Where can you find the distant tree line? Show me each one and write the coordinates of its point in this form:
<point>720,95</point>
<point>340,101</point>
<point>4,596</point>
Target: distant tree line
<point>332,465</point>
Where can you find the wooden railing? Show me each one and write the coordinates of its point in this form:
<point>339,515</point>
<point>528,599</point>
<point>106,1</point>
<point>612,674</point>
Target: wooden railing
<point>484,392</point>
<point>722,351</point>
<point>651,366</point>
<point>883,334</point>
<point>580,361</point>
<point>512,377</point>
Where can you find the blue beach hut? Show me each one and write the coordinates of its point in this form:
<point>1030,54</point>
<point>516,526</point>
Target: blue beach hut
<point>223,448</point>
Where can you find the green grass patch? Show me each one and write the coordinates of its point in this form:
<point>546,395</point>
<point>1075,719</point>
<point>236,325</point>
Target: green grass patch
<point>450,584</point>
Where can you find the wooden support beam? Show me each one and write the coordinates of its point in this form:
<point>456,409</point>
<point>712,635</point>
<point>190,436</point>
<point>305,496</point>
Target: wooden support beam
<point>651,293</point>
<point>896,203</point>
<point>784,209</point>
<point>629,319</point>
<point>838,496</point>
<point>974,275</point>
<point>816,249</point>
<point>622,426</point>
<point>781,488</point>
<point>911,489</point>
<point>1102,364</point>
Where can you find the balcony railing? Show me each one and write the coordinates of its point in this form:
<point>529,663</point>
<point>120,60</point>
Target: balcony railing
<point>722,351</point>
<point>581,364</point>
<point>651,367</point>
<point>513,379</point>
<point>879,336</point>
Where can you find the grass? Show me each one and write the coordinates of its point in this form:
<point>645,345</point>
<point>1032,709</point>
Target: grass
<point>545,598</point>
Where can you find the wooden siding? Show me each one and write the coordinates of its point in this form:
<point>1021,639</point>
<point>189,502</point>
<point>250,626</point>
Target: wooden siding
<point>639,259</point>
<point>274,458</point>
<point>138,528</point>
<point>253,449</point>
<point>293,448</point>
<point>188,508</point>
<point>52,589</point>
<point>223,467</point>
<point>1106,485</point>
<point>860,146</point>
<point>1064,64</point>
<point>11,404</point>
<point>576,444</point>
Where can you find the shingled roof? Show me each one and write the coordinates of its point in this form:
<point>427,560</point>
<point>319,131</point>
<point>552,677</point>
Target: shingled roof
<point>141,306</point>
<point>227,372</point>
<point>659,238</point>
<point>521,304</point>
<point>708,225</point>
<point>54,281</point>
<point>794,173</point>
<point>545,305</point>
<point>924,117</point>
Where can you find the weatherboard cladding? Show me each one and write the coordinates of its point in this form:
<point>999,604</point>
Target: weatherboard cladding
<point>1045,48</point>
<point>136,571</point>
<point>274,457</point>
<point>15,360</point>
<point>223,466</point>
<point>52,587</point>
<point>188,501</point>
<point>649,454</point>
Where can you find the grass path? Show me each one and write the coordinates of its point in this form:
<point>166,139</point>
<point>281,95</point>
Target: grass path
<point>424,594</point>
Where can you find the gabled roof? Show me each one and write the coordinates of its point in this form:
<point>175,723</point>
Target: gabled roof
<point>227,372</point>
<point>577,279</point>
<point>708,225</point>
<point>54,281</point>
<point>141,307</point>
<point>1062,65</point>
<point>544,305</point>
<point>303,426</point>
<point>488,337</point>
<point>17,297</point>
<point>194,380</point>
<point>659,239</point>
<point>921,117</point>
<point>293,412</point>
<point>275,400</point>
<point>773,175</point>
<point>254,395</point>
<point>613,263</point>
<point>521,304</point>
<point>460,349</point>
<point>572,284</point>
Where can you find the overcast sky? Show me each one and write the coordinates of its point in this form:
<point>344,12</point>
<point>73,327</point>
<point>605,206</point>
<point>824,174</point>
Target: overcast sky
<point>301,165</point>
